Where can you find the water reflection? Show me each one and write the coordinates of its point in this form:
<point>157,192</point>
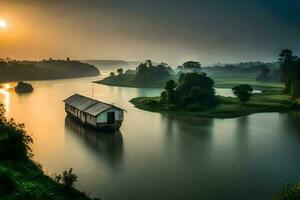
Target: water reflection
<point>6,98</point>
<point>107,146</point>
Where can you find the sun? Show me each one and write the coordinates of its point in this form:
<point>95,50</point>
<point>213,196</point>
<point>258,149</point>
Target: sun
<point>3,23</point>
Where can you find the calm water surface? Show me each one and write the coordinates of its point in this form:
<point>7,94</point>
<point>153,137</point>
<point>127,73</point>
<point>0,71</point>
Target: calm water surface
<point>157,156</point>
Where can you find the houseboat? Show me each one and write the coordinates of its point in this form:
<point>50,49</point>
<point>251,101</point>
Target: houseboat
<point>94,113</point>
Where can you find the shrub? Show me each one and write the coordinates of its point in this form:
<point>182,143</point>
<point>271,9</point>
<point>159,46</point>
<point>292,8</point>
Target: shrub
<point>163,98</point>
<point>288,193</point>
<point>152,103</point>
<point>15,143</point>
<point>243,92</point>
<point>67,178</point>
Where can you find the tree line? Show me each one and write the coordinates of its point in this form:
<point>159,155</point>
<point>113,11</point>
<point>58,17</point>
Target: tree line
<point>12,70</point>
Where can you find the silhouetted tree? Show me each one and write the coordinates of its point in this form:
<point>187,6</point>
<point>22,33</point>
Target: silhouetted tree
<point>112,74</point>
<point>170,89</point>
<point>287,61</point>
<point>190,66</point>
<point>120,71</point>
<point>67,178</point>
<point>147,73</point>
<point>68,59</point>
<point>163,98</point>
<point>243,92</point>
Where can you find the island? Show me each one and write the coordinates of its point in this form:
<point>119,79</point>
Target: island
<point>13,70</point>
<point>23,87</point>
<point>194,95</point>
<point>146,75</point>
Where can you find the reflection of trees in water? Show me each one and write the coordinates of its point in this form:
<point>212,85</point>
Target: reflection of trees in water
<point>292,122</point>
<point>201,128</point>
<point>241,137</point>
<point>187,134</point>
<point>106,145</point>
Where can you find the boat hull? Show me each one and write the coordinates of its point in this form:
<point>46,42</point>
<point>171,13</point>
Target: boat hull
<point>99,126</point>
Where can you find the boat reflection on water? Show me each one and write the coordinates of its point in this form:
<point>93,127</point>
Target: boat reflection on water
<point>106,145</point>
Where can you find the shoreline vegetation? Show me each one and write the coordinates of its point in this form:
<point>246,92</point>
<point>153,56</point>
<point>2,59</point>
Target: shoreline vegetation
<point>13,70</point>
<point>23,178</point>
<point>146,75</point>
<point>229,107</point>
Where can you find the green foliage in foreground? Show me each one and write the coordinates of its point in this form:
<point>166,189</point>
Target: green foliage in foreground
<point>288,193</point>
<point>20,177</point>
<point>228,107</point>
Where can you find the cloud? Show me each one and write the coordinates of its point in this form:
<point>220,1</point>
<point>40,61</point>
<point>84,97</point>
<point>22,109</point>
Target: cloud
<point>209,31</point>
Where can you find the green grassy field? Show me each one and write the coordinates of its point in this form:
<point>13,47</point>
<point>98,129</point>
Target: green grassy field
<point>265,86</point>
<point>126,80</point>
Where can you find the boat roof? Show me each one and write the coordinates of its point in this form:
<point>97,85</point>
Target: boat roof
<point>89,105</point>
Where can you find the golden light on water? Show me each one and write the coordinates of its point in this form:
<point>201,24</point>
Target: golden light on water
<point>6,86</point>
<point>5,96</point>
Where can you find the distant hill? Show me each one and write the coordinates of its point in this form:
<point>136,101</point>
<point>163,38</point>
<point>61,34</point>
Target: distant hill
<point>45,70</point>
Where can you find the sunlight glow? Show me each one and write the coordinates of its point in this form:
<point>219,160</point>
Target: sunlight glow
<point>6,86</point>
<point>3,24</point>
<point>5,98</point>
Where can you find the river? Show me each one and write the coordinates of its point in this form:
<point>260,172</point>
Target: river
<point>158,156</point>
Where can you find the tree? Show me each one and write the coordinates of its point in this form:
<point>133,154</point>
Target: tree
<point>68,59</point>
<point>190,66</point>
<point>243,92</point>
<point>147,73</point>
<point>163,98</point>
<point>120,71</point>
<point>192,89</point>
<point>112,74</point>
<point>287,61</point>
<point>67,178</point>
<point>170,90</point>
<point>190,80</point>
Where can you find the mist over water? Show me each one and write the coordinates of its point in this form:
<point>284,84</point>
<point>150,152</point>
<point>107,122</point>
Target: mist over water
<point>158,156</point>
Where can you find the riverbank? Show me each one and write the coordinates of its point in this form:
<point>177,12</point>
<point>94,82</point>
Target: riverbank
<point>228,107</point>
<point>257,85</point>
<point>22,178</point>
<point>126,80</point>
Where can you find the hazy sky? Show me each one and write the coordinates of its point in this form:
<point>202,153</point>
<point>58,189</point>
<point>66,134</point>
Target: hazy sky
<point>172,31</point>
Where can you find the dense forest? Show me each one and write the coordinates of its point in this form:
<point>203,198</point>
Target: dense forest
<point>258,70</point>
<point>194,91</point>
<point>12,70</point>
<point>147,74</point>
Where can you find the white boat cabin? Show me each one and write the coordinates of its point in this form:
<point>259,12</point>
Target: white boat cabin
<point>94,113</point>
